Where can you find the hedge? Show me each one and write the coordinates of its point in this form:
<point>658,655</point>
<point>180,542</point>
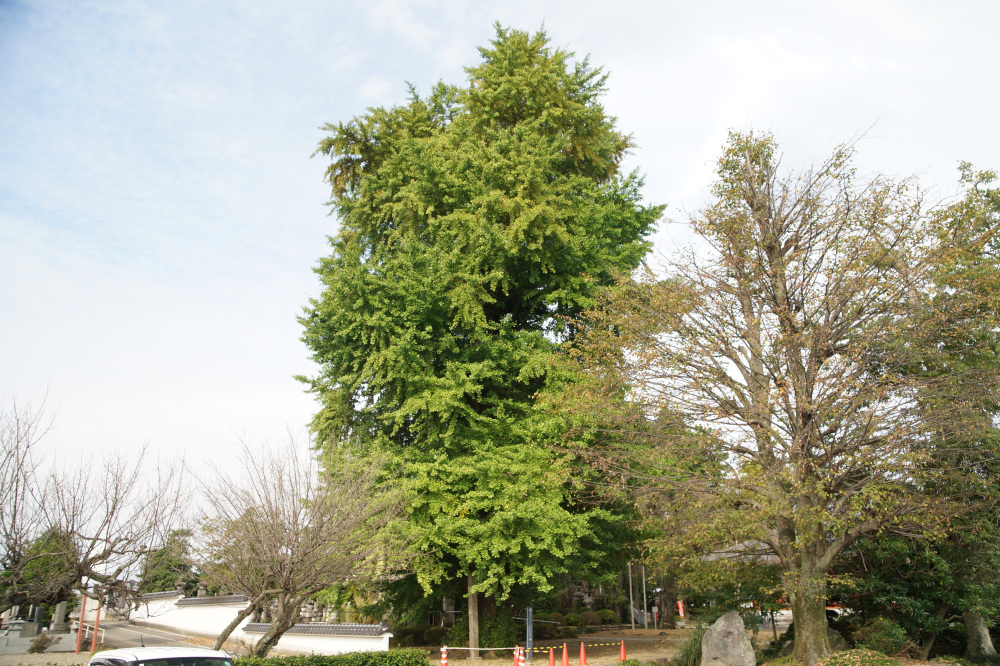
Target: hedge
<point>390,658</point>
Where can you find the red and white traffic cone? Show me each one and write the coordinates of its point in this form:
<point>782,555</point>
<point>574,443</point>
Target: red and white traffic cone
<point>444,655</point>
<point>520,661</point>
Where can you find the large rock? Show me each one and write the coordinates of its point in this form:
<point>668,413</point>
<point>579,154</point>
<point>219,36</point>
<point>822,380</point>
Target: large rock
<point>726,643</point>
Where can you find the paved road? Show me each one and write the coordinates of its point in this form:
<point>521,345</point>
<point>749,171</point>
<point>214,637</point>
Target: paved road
<point>121,634</point>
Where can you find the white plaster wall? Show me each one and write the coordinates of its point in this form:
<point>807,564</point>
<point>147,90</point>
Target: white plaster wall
<point>154,608</point>
<point>210,619</point>
<point>203,619</point>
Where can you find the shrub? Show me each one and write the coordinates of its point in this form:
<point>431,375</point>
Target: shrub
<point>689,653</point>
<point>858,658</point>
<point>458,633</point>
<point>41,643</point>
<point>557,617</point>
<point>574,620</point>
<point>434,636</point>
<point>391,658</point>
<point>881,635</point>
<point>590,618</point>
<point>609,616</point>
<point>500,631</point>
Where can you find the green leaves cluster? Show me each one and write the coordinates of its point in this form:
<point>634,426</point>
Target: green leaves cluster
<point>473,222</point>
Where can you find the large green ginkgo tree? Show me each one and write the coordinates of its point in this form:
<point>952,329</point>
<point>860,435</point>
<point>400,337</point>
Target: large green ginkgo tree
<point>474,222</point>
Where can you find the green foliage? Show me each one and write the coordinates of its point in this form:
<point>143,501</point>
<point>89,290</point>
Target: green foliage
<point>458,633</point>
<point>45,572</point>
<point>473,221</point>
<point>390,658</point>
<point>631,662</point>
<point>689,653</point>
<point>166,568</point>
<point>499,631</point>
<point>609,616</point>
<point>556,616</point>
<point>574,620</point>
<point>882,635</point>
<point>590,617</point>
<point>860,657</point>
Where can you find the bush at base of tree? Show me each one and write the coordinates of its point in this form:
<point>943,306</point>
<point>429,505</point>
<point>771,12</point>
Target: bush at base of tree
<point>391,658</point>
<point>882,635</point>
<point>591,618</point>
<point>574,620</point>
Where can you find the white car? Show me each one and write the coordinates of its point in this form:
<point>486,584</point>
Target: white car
<point>161,656</point>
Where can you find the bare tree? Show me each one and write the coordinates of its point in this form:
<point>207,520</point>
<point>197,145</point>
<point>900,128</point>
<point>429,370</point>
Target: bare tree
<point>78,525</point>
<point>285,528</point>
<point>802,343</point>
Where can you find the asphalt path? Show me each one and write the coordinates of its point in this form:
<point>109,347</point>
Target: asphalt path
<point>121,634</point>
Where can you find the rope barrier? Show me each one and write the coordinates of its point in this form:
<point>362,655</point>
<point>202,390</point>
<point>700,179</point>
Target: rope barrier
<point>535,649</point>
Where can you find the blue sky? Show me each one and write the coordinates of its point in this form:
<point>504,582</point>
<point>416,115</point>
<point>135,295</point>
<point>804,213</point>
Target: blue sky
<point>160,213</point>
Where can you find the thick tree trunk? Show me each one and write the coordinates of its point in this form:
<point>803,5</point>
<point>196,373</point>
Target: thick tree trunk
<point>473,619</point>
<point>807,589</point>
<point>978,643</point>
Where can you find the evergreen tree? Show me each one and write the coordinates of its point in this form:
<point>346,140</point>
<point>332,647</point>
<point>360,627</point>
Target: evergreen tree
<point>473,222</point>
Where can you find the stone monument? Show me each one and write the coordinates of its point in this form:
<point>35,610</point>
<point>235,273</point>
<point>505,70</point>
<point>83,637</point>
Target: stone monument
<point>726,643</point>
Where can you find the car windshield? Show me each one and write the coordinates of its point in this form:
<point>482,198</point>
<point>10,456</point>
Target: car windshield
<point>186,661</point>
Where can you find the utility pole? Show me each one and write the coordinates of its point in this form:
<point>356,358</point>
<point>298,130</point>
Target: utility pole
<point>631,604</point>
<point>645,616</point>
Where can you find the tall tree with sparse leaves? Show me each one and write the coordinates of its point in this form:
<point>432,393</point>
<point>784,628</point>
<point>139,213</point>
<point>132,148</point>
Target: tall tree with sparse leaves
<point>793,335</point>
<point>472,221</point>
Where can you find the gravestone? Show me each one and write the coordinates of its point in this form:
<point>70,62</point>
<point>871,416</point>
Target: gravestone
<point>59,625</point>
<point>726,643</point>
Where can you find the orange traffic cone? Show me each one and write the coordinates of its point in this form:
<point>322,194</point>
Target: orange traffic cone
<point>517,651</point>
<point>552,657</point>
<point>444,655</point>
<point>621,656</point>
<point>520,658</point>
<point>565,659</point>
<point>583,655</point>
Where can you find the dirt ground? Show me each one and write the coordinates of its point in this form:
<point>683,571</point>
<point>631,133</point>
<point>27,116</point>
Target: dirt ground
<point>602,648</point>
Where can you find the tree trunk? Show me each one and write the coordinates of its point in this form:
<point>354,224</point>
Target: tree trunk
<point>977,637</point>
<point>668,613</point>
<point>926,643</point>
<point>807,589</point>
<point>231,627</point>
<point>285,615</point>
<point>473,620</point>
